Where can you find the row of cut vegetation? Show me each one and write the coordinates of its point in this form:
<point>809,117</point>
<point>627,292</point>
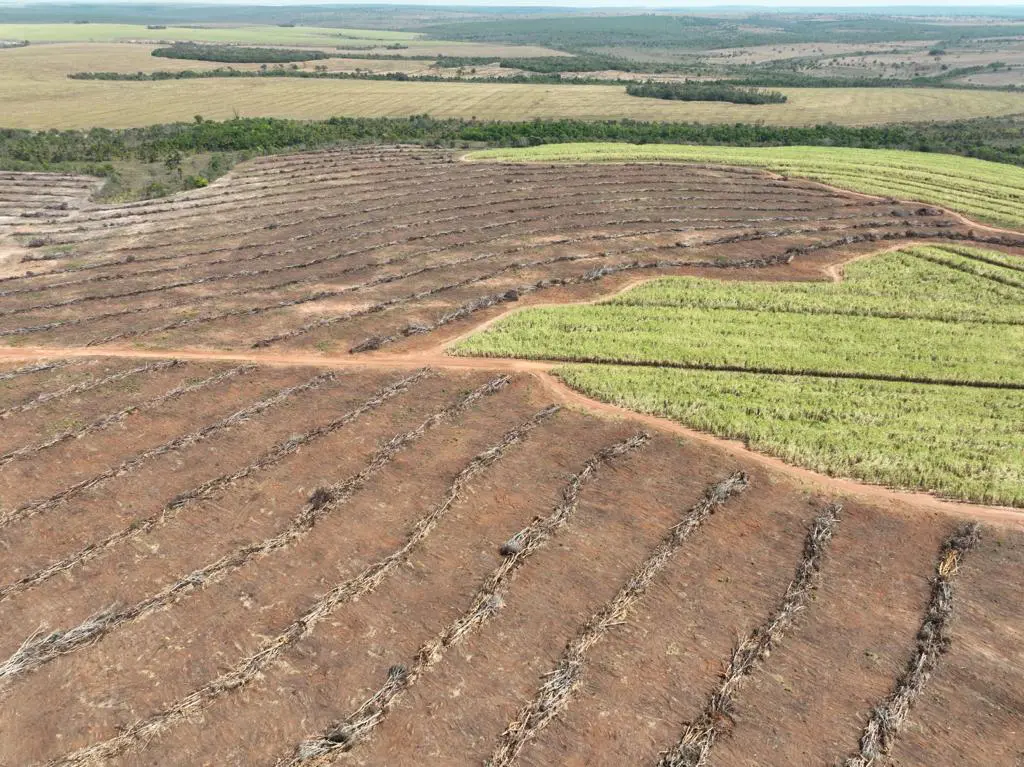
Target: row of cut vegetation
<point>985,190</point>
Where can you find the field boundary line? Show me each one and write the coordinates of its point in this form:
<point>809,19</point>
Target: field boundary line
<point>252,666</point>
<point>555,693</point>
<point>698,737</point>
<point>488,601</point>
<point>40,649</point>
<point>211,487</point>
<point>932,642</point>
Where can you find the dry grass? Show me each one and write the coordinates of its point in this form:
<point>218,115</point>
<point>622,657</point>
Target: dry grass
<point>29,103</point>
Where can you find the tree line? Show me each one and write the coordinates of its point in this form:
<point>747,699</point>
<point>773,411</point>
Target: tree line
<point>237,54</point>
<point>704,91</point>
<point>996,139</point>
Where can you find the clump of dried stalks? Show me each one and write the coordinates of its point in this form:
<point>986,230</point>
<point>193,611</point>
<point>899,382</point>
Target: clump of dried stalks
<point>933,641</point>
<point>43,649</point>
<point>555,693</point>
<point>699,736</point>
<point>41,367</point>
<point>249,668</point>
<point>487,602</point>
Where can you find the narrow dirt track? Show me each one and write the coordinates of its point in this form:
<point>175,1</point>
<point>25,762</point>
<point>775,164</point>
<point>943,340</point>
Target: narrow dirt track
<point>541,371</point>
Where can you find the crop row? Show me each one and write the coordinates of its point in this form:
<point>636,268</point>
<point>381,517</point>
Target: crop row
<point>931,178</point>
<point>895,284</point>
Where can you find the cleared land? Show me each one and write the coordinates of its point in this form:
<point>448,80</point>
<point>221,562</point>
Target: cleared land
<point>29,99</point>
<point>270,553</point>
<point>984,190</point>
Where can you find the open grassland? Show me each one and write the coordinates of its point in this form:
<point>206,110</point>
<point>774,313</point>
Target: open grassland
<point>849,342</point>
<point>266,34</point>
<point>373,41</point>
<point>227,540</point>
<point>29,102</point>
<point>989,191</point>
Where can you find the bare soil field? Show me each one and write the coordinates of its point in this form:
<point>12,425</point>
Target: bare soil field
<point>251,514</point>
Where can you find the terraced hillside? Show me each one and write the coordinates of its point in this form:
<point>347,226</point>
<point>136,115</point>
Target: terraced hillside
<point>229,540</point>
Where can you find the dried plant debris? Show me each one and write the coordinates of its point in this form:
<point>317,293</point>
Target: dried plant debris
<point>554,695</point>
<point>933,641</point>
<point>488,601</point>
<point>698,738</point>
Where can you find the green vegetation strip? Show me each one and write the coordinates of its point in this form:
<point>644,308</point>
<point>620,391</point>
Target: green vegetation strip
<point>986,190</point>
<point>906,314</point>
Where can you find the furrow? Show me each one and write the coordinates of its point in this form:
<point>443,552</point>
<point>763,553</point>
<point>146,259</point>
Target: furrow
<point>514,294</point>
<point>694,746</point>
<point>933,641</point>
<point>212,487</point>
<point>322,501</point>
<point>554,695</point>
<point>488,600</point>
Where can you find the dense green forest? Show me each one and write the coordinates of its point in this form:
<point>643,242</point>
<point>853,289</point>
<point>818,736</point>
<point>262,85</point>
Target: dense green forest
<point>704,91</point>
<point>238,54</point>
<point>650,30</point>
<point>997,139</point>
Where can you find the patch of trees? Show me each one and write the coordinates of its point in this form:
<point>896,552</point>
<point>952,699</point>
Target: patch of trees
<point>281,71</point>
<point>237,54</point>
<point>704,91</point>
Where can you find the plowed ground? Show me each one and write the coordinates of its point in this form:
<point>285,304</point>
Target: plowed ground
<point>226,540</point>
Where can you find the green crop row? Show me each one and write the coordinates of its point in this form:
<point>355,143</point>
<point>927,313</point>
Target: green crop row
<point>923,313</point>
<point>751,339</point>
<point>960,442</point>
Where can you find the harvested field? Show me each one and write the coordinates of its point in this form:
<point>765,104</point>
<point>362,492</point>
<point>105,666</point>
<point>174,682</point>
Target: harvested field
<point>109,104</point>
<point>252,514</point>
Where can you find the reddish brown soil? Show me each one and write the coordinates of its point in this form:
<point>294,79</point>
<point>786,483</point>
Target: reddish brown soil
<point>243,244</point>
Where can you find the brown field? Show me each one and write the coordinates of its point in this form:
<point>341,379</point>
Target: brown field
<point>252,514</point>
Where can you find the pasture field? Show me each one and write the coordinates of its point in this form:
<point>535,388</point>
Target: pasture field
<point>848,342</point>
<point>988,191</point>
<point>252,513</point>
<point>265,34</point>
<point>29,96</point>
